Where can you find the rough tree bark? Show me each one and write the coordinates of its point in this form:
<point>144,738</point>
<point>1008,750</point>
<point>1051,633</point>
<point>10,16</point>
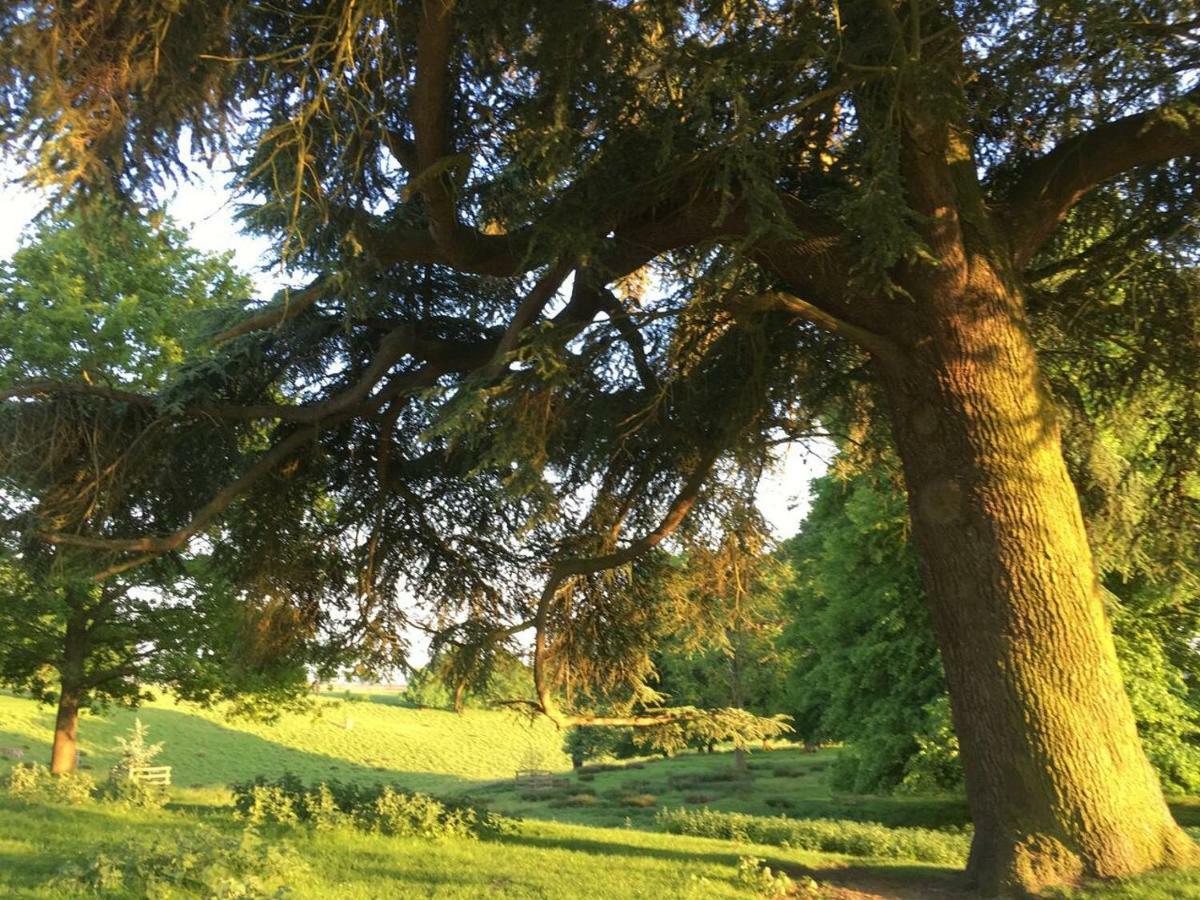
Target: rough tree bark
<point>1056,778</point>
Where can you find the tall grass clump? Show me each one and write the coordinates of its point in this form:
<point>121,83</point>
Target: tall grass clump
<point>866,839</point>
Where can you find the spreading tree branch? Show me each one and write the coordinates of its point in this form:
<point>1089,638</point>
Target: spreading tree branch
<point>1052,184</point>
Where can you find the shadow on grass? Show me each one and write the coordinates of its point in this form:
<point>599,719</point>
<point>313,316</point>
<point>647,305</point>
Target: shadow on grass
<point>896,881</point>
<point>888,879</point>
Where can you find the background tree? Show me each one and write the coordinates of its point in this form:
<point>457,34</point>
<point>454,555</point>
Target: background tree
<point>112,301</point>
<point>861,189</point>
<point>733,655</point>
<point>436,684</point>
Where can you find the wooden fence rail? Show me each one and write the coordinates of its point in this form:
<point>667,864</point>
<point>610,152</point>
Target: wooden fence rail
<point>151,774</point>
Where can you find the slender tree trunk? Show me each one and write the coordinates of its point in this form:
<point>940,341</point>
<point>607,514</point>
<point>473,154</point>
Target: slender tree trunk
<point>740,766</point>
<point>64,753</point>
<point>1056,778</point>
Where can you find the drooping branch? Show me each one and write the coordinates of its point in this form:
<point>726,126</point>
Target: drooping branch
<point>209,512</point>
<point>1053,183</point>
<point>563,569</point>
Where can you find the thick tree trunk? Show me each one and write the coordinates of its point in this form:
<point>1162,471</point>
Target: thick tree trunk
<point>64,754</point>
<point>1056,778</point>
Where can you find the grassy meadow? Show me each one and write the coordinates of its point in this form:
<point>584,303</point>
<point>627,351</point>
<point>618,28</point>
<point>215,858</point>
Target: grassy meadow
<point>595,833</point>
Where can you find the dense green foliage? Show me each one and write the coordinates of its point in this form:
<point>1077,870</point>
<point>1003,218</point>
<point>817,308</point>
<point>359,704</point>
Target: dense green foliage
<point>556,256</point>
<point>867,668</point>
<point>579,267</point>
<point>434,684</point>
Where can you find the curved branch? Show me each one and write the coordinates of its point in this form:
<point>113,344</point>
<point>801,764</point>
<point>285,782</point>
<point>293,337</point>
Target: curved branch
<point>155,546</point>
<point>529,309</point>
<point>1053,183</point>
<point>278,314</point>
<point>878,345</point>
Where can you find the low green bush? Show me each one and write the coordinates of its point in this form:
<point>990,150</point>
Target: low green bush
<point>382,808</point>
<point>198,862</point>
<point>581,799</point>
<point>33,783</point>
<point>787,771</point>
<point>823,835</point>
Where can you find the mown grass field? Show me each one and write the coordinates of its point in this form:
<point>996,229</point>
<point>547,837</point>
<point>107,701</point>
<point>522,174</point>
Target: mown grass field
<point>427,749</point>
<point>590,834</point>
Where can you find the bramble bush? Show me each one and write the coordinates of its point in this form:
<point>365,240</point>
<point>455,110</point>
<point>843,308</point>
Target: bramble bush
<point>381,808</point>
<point>824,835</point>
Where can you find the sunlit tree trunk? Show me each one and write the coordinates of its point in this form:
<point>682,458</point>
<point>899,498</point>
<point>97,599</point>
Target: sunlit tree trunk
<point>1056,778</point>
<point>65,752</point>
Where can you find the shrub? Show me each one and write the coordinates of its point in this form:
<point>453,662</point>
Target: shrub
<point>320,809</point>
<point>779,803</point>
<point>136,751</point>
<point>270,804</point>
<point>131,792</point>
<point>193,863</point>
<point>640,800</point>
<point>593,768</point>
<point>755,874</point>
<point>381,808</point>
<point>417,815</point>
<point>823,835</point>
<point>33,783</point>
<point>698,798</point>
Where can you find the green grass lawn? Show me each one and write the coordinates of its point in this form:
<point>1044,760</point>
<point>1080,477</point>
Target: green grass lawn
<point>590,834</point>
<point>424,749</point>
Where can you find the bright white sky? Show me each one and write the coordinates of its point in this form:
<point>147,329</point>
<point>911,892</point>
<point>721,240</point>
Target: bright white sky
<point>205,209</point>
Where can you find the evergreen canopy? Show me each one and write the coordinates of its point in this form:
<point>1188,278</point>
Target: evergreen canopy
<point>580,264</point>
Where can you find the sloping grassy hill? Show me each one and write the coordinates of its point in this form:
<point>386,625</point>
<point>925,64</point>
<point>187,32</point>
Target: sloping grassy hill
<point>588,835</point>
<point>425,749</point>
